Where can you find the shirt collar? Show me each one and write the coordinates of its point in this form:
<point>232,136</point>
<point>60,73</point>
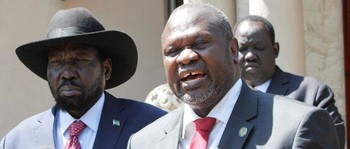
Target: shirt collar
<point>263,87</point>
<point>221,111</point>
<point>91,118</point>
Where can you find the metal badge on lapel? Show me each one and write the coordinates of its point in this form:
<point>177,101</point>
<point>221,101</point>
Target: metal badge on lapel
<point>243,131</point>
<point>116,122</point>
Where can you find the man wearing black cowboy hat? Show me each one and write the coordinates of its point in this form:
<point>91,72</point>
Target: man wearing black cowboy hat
<point>80,59</point>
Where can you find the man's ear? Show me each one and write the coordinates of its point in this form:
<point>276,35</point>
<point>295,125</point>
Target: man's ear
<point>107,65</point>
<point>276,49</point>
<point>234,50</point>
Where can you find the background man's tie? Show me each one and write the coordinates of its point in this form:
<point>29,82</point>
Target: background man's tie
<point>203,129</point>
<point>75,130</point>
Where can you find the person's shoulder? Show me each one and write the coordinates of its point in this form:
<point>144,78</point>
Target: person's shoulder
<point>289,75</point>
<point>305,79</point>
<point>311,82</point>
<point>150,135</point>
<point>304,82</point>
<point>289,110</point>
<point>289,103</point>
<point>171,118</point>
<point>133,104</point>
<point>35,119</point>
<point>285,104</point>
<point>29,124</point>
<point>138,106</point>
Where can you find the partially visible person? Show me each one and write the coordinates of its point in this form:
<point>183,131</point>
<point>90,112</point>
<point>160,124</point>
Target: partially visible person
<point>258,52</point>
<point>201,63</point>
<point>163,98</point>
<point>79,60</point>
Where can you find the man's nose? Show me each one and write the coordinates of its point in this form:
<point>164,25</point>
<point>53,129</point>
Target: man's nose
<point>187,56</point>
<point>68,71</point>
<point>250,56</point>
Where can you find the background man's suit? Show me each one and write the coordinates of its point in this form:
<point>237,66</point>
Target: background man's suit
<point>258,120</point>
<point>120,118</point>
<point>309,91</point>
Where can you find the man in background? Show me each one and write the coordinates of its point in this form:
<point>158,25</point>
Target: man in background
<point>258,52</point>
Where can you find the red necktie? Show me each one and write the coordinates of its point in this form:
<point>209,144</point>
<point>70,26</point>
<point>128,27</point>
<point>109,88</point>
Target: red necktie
<point>75,130</point>
<point>203,129</point>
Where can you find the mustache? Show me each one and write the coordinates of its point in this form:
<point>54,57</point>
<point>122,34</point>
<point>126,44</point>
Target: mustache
<point>191,66</point>
<point>67,83</point>
<point>247,63</point>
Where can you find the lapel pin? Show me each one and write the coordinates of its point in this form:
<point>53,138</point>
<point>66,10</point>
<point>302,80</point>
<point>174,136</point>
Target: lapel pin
<point>116,122</point>
<point>243,131</point>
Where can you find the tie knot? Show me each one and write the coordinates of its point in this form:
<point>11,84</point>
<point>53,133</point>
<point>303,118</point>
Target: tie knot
<point>205,124</point>
<point>76,128</point>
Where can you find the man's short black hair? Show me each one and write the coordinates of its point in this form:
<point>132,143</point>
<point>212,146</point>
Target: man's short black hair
<point>267,24</point>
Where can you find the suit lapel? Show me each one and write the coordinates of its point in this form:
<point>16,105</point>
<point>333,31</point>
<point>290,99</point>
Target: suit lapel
<point>278,83</point>
<point>111,123</point>
<point>44,132</point>
<point>172,131</point>
<point>238,128</point>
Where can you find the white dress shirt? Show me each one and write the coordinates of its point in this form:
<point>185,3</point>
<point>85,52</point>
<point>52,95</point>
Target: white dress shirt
<point>263,87</point>
<point>91,118</point>
<point>221,112</point>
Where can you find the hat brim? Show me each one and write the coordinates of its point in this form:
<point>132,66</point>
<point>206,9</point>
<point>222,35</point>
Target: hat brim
<point>117,45</point>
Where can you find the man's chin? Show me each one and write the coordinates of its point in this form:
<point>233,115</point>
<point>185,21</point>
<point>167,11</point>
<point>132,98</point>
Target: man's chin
<point>251,74</point>
<point>195,97</point>
<point>69,103</point>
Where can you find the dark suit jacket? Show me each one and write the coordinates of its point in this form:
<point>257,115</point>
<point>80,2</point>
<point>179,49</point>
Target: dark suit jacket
<point>38,131</point>
<point>270,121</point>
<point>309,91</point>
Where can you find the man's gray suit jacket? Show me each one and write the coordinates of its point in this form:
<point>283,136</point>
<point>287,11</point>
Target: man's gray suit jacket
<point>258,120</point>
<point>119,119</point>
<point>309,91</point>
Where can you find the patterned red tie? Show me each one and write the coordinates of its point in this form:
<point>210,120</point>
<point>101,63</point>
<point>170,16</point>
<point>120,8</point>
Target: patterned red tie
<point>203,129</point>
<point>75,130</point>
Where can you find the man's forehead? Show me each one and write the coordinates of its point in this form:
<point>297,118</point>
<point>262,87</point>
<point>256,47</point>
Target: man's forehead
<point>190,15</point>
<point>190,33</point>
<point>251,31</point>
<point>250,27</point>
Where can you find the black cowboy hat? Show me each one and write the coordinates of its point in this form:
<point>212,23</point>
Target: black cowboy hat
<point>77,25</point>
